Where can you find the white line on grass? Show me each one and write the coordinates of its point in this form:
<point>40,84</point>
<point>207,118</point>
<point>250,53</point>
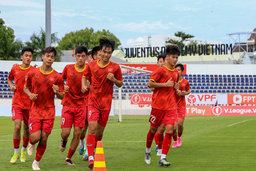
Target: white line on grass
<point>240,122</point>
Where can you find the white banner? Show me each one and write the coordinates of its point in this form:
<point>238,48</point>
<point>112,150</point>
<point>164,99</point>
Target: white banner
<point>206,99</point>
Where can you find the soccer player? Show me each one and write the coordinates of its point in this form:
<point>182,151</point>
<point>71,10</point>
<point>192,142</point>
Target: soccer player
<point>181,105</point>
<point>165,81</point>
<point>20,103</point>
<point>73,111</point>
<point>159,137</point>
<point>103,74</point>
<point>41,85</point>
<point>89,57</point>
<point>96,55</point>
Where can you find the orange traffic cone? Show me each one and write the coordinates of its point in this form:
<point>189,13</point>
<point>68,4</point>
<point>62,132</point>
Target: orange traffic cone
<point>99,162</point>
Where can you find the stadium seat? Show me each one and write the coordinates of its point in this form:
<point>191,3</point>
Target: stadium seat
<point>219,91</point>
<point>227,91</point>
<point>232,91</point>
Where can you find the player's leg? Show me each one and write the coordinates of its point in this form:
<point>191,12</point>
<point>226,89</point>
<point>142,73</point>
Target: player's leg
<point>46,127</point>
<point>79,122</point>
<point>93,117</point>
<point>169,120</point>
<point>35,126</point>
<point>82,145</point>
<point>159,138</point>
<point>155,120</point>
<point>16,140</point>
<point>66,125</point>
<point>180,131</point>
<point>26,135</point>
<point>175,135</point>
<point>155,137</point>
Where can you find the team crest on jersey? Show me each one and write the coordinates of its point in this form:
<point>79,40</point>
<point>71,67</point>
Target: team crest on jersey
<point>51,79</point>
<point>94,70</point>
<point>110,70</point>
<point>71,74</point>
<point>166,73</point>
<point>37,76</point>
<point>16,72</point>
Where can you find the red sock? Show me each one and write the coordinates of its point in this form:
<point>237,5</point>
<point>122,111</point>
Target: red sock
<point>160,138</point>
<point>90,144</point>
<point>40,151</point>
<point>16,143</point>
<point>179,134</point>
<point>81,138</point>
<point>150,138</point>
<point>25,142</point>
<point>167,143</point>
<point>155,137</point>
<point>70,153</point>
<point>97,139</point>
<point>175,136</point>
<point>31,141</point>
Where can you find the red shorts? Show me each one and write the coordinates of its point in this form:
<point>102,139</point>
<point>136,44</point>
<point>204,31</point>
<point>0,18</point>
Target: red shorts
<point>181,113</point>
<point>18,113</point>
<point>72,115</point>
<point>86,116</point>
<point>176,118</point>
<point>158,117</point>
<point>95,114</point>
<point>40,124</point>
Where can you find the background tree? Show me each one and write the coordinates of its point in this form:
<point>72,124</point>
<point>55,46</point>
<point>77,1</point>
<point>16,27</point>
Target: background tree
<point>37,42</point>
<point>10,49</point>
<point>86,37</point>
<point>183,37</point>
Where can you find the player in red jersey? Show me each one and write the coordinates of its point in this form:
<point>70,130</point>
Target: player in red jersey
<point>181,105</point>
<point>103,74</point>
<point>41,85</point>
<point>89,57</point>
<point>20,103</point>
<point>164,106</point>
<point>73,111</point>
<point>159,137</point>
<point>96,55</point>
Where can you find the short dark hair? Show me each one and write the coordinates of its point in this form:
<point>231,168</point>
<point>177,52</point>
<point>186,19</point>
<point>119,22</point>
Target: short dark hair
<point>27,48</point>
<point>173,50</point>
<point>81,49</point>
<point>181,67</point>
<point>89,53</point>
<point>95,50</point>
<point>162,55</point>
<point>108,43</point>
<point>49,50</point>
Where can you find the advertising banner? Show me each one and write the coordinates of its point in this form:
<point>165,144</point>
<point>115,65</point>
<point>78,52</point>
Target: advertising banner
<point>206,99</point>
<point>241,98</point>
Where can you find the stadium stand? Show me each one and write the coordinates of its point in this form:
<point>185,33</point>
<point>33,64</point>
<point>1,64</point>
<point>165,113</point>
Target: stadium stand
<point>198,84</point>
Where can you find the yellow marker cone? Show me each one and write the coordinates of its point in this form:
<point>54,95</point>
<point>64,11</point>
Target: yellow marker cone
<point>99,161</point>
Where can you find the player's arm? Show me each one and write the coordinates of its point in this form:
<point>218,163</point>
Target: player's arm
<point>85,84</point>
<point>112,78</point>
<point>10,78</point>
<point>32,96</point>
<point>187,92</point>
<point>153,84</point>
<point>59,88</point>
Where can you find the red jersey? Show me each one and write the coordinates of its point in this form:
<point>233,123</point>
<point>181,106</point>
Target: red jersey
<point>20,99</point>
<point>101,91</point>
<point>164,98</point>
<point>74,97</point>
<point>41,83</point>
<point>181,101</point>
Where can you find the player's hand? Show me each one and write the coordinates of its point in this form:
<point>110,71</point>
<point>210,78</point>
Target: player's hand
<point>66,88</point>
<point>152,89</point>
<point>88,84</point>
<point>84,89</point>
<point>169,83</point>
<point>55,88</point>
<point>178,92</point>
<point>33,96</point>
<point>183,93</point>
<point>13,88</point>
<point>177,86</point>
<point>111,77</point>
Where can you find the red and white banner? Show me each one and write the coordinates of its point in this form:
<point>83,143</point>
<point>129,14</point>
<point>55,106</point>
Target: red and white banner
<point>206,99</point>
<point>241,98</point>
<point>234,110</point>
<point>141,99</point>
<point>198,110</point>
<point>148,67</point>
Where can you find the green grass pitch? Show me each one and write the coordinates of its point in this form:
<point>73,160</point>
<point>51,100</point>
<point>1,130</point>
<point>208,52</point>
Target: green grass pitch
<point>209,143</point>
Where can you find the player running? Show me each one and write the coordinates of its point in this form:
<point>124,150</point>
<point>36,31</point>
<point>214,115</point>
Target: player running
<point>73,111</point>
<point>96,55</point>
<point>20,103</point>
<point>165,81</point>
<point>181,105</point>
<point>41,85</point>
<point>159,137</point>
<point>103,74</point>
